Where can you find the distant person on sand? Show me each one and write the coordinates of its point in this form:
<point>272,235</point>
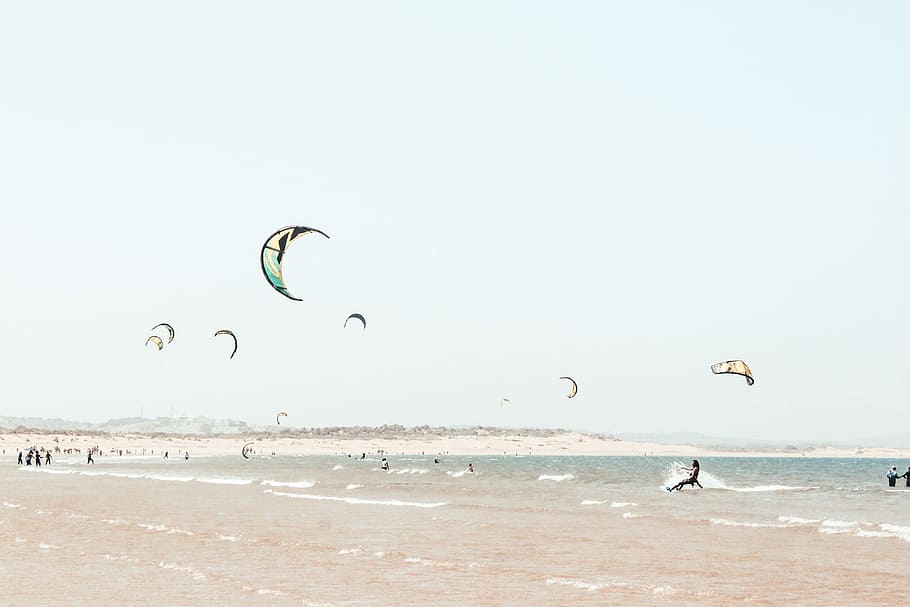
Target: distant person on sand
<point>90,460</point>
<point>20,457</point>
<point>47,458</point>
<point>692,480</point>
<point>892,476</point>
<point>385,464</point>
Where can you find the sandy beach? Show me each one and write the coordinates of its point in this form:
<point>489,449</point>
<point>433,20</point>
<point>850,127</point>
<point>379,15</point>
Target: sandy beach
<point>285,443</point>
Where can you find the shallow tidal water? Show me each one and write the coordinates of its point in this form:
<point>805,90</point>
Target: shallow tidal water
<point>320,530</point>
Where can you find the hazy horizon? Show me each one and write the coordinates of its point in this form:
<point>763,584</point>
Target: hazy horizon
<point>514,192</point>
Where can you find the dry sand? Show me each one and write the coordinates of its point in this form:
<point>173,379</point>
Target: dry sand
<point>568,443</point>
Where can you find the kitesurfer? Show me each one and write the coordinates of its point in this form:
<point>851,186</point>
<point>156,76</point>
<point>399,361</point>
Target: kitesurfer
<point>905,475</point>
<point>47,458</point>
<point>470,468</point>
<point>384,465</point>
<point>692,480</point>
<point>90,459</point>
<point>892,476</point>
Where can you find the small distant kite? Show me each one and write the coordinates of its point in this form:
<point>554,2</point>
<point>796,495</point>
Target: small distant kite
<point>273,254</point>
<point>154,339</point>
<point>735,367</point>
<point>358,317</point>
<point>231,333</point>
<point>279,416</point>
<point>574,387</point>
<point>504,402</point>
<point>170,330</point>
<point>245,449</point>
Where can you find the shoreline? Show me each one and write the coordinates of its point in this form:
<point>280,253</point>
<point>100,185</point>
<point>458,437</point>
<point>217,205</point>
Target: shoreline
<point>561,444</point>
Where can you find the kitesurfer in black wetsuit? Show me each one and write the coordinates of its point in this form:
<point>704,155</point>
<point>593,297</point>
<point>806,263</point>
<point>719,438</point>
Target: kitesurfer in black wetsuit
<point>906,475</point>
<point>692,480</point>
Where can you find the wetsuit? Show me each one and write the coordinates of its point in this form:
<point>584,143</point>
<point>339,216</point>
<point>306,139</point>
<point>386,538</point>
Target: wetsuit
<point>892,478</point>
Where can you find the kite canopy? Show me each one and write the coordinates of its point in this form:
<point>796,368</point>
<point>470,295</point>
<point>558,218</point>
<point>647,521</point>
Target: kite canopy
<point>155,340</point>
<point>231,333</point>
<point>358,317</point>
<point>279,416</point>
<point>734,367</point>
<point>244,450</point>
<point>170,330</point>
<point>504,402</point>
<point>574,387</point>
<point>273,254</point>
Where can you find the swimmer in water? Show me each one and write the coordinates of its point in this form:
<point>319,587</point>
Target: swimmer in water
<point>384,465</point>
<point>470,468</point>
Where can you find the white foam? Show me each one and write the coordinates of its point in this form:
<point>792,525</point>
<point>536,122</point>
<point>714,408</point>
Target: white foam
<point>48,546</point>
<point>458,474</point>
<point>896,531</point>
<point>13,506</point>
<point>581,584</point>
<point>592,502</point>
<point>224,481</point>
<point>556,477</point>
<point>353,486</point>
<point>338,467</point>
<point>295,485</point>
<point>622,504</point>
<point>165,477</point>
<point>412,471</point>
<point>228,538</point>
<point>358,501</point>
<point>124,475</point>
<point>197,575</point>
<point>630,515</point>
<point>351,551</point>
<point>729,523</point>
<point>795,521</point>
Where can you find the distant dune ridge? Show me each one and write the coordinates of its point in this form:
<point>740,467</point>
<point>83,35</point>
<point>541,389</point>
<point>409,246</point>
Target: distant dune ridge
<point>227,428</point>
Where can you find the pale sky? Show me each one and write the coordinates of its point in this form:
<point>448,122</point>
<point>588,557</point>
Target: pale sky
<point>621,192</point>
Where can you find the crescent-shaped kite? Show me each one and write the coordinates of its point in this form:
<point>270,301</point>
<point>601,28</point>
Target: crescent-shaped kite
<point>574,387</point>
<point>273,253</point>
<point>243,451</point>
<point>358,317</point>
<point>231,333</point>
<point>155,340</point>
<point>504,401</point>
<point>170,330</point>
<point>735,367</point>
<point>278,417</point>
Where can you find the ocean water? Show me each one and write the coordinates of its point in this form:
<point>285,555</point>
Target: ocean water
<point>318,530</point>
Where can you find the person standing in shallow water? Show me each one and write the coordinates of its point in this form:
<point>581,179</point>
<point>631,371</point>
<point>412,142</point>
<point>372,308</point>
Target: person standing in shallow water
<point>692,480</point>
<point>47,458</point>
<point>892,476</point>
<point>905,475</point>
<point>20,457</point>
<point>90,459</point>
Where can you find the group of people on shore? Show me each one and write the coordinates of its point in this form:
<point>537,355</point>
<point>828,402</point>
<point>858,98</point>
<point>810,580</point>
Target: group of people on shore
<point>35,454</point>
<point>893,476</point>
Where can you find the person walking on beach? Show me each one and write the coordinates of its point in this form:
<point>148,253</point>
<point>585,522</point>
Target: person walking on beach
<point>892,476</point>
<point>692,480</point>
<point>20,457</point>
<point>47,458</point>
<point>90,459</point>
